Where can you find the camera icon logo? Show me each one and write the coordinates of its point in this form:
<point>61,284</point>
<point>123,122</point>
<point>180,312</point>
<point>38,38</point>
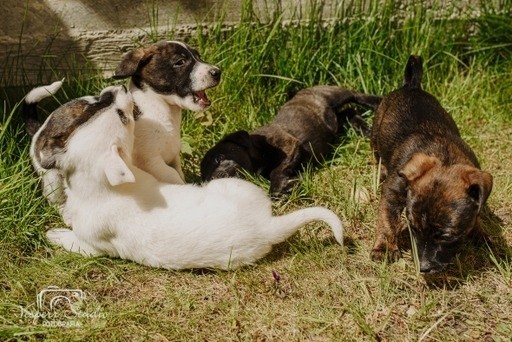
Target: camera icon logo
<point>55,299</point>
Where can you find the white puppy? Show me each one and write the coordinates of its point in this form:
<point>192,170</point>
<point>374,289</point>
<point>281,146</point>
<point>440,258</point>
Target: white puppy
<point>117,209</point>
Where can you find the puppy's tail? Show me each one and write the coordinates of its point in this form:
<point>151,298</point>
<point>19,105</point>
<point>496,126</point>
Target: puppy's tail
<point>287,225</point>
<point>32,122</point>
<point>413,72</point>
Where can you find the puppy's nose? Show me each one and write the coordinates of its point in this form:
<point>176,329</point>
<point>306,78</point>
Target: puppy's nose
<point>428,267</point>
<point>215,73</point>
<point>424,268</point>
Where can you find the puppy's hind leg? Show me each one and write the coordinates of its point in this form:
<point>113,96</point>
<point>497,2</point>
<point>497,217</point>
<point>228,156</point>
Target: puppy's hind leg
<point>67,239</point>
<point>368,101</point>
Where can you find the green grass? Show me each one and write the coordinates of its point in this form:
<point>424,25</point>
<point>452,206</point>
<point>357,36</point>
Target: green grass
<point>324,291</point>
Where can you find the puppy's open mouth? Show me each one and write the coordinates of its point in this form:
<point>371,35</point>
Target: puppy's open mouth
<point>201,98</point>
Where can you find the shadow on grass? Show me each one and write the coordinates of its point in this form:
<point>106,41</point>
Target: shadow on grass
<point>278,252</point>
<point>296,245</point>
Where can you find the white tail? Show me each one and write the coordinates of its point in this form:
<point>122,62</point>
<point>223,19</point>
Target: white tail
<point>39,93</point>
<point>288,224</point>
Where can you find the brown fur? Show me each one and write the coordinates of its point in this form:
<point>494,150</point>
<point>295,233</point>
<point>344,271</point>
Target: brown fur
<point>63,122</point>
<point>428,170</point>
<point>302,131</point>
<point>156,66</point>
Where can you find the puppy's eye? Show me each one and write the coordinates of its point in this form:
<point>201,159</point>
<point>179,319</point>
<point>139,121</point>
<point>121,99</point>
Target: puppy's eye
<point>219,158</point>
<point>446,238</point>
<point>449,240</point>
<point>437,234</point>
<point>179,62</point>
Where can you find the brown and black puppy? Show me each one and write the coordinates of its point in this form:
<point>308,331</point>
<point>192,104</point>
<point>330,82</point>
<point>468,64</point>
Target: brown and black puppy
<point>303,131</point>
<point>429,170</point>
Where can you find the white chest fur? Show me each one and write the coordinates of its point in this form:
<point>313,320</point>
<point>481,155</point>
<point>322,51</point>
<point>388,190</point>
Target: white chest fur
<point>157,136</point>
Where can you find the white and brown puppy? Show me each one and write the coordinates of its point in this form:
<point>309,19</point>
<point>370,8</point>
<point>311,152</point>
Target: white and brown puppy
<point>47,137</point>
<point>119,210</point>
<point>165,78</point>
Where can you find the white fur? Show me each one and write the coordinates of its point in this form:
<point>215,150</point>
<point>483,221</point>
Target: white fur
<point>40,93</point>
<point>200,76</point>
<point>117,209</point>
<point>157,135</point>
<point>51,179</point>
<point>157,132</point>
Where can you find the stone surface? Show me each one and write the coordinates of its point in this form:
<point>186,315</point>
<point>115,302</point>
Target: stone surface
<point>43,40</point>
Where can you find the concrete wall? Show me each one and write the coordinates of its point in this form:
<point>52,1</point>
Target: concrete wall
<point>41,40</point>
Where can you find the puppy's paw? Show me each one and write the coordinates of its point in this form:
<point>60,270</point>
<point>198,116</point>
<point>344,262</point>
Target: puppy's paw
<point>58,235</point>
<point>383,253</point>
<point>66,216</point>
<point>67,239</point>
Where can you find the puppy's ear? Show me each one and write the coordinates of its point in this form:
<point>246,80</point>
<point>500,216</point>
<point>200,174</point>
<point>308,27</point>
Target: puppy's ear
<point>116,170</point>
<point>417,166</point>
<point>48,153</point>
<point>479,185</point>
<point>241,138</point>
<point>131,62</point>
<point>47,160</point>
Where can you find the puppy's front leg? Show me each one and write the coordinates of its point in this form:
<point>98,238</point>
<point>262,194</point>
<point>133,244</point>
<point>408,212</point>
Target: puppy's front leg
<point>163,172</point>
<point>70,242</point>
<point>281,181</point>
<point>392,203</point>
<point>176,164</point>
<point>66,216</point>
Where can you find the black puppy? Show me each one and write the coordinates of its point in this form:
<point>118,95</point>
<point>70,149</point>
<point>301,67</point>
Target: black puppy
<point>429,171</point>
<point>303,131</point>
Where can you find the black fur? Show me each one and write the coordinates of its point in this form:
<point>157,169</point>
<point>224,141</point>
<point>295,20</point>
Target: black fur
<point>303,131</point>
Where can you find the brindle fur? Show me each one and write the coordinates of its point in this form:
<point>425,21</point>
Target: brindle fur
<point>428,170</point>
<point>303,131</point>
